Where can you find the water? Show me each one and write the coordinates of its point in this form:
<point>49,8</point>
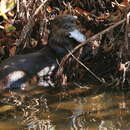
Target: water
<point>88,108</point>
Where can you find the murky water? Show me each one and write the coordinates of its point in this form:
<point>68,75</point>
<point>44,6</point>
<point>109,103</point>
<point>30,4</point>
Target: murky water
<point>74,108</point>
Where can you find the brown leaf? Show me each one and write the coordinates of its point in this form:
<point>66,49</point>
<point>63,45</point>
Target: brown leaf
<point>49,9</point>
<point>81,11</point>
<point>12,51</point>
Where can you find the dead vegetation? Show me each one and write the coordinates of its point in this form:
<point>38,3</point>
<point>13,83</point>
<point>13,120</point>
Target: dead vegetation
<point>24,28</point>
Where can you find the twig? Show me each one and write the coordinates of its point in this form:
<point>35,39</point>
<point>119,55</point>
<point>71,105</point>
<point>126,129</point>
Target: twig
<point>126,45</point>
<point>17,6</point>
<point>100,80</point>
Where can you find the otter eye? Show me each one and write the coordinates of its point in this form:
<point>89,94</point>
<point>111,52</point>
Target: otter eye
<point>66,26</point>
<point>69,26</point>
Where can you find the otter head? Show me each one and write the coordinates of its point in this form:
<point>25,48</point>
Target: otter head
<point>65,33</point>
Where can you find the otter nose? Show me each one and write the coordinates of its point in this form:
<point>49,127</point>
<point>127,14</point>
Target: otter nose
<point>77,35</point>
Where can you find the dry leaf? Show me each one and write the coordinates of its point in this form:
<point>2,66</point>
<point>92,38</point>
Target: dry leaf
<point>5,6</point>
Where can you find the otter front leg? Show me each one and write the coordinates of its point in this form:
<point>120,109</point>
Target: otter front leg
<point>45,76</point>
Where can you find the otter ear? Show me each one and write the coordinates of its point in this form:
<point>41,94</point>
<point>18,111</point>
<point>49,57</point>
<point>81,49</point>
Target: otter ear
<point>77,35</point>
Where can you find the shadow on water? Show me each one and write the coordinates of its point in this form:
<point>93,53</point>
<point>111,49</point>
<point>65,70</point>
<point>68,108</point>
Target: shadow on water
<point>72,108</point>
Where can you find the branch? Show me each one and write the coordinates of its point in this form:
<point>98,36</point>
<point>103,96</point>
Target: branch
<point>60,70</point>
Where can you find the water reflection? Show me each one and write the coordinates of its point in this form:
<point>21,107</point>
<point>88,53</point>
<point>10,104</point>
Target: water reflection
<point>89,108</point>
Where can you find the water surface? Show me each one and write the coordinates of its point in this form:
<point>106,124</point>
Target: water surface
<point>89,107</point>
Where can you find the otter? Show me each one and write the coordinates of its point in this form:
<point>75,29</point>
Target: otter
<point>15,71</point>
